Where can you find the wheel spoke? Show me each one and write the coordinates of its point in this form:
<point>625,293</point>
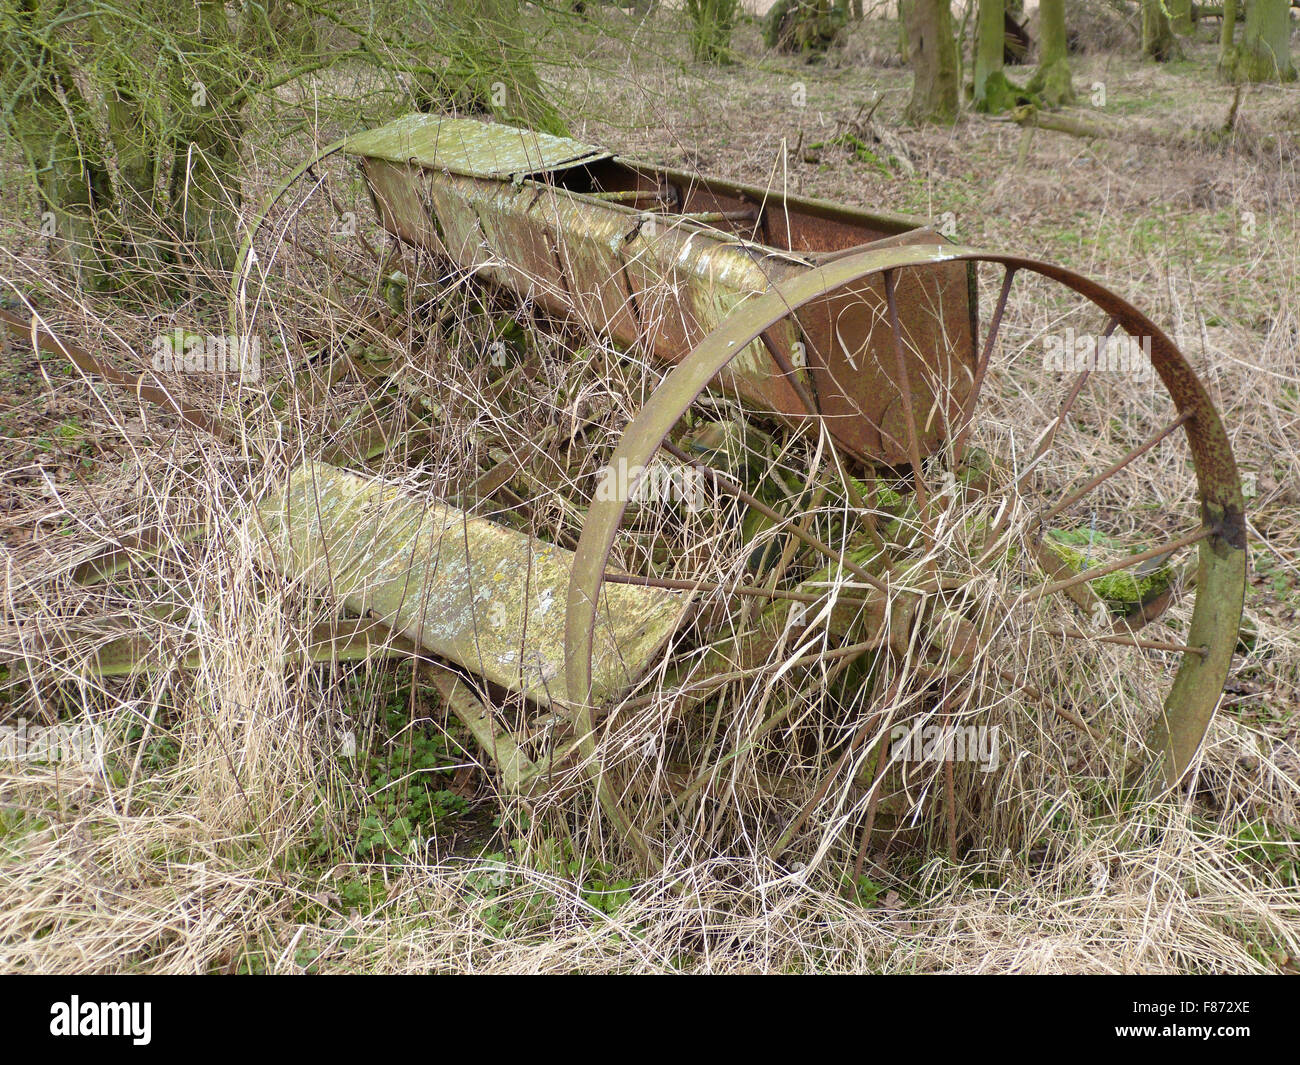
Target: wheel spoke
<point>873,802</point>
<point>707,685</point>
<point>709,588</point>
<point>994,537</point>
<point>949,789</point>
<point>731,488</point>
<point>1125,641</point>
<point>905,387</point>
<point>1048,438</point>
<point>861,511</point>
<point>1110,472</point>
<point>791,375</point>
<point>819,793</point>
<point>1025,688</point>
<point>843,657</point>
<point>981,369</point>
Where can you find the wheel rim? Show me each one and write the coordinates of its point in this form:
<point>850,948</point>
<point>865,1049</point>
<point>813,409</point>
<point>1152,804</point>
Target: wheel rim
<point>1220,537</point>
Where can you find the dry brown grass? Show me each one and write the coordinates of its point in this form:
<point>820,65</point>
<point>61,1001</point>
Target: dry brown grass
<point>215,830</point>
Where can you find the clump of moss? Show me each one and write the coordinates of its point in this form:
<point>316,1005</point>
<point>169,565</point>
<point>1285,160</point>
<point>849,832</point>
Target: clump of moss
<point>1123,590</point>
<point>903,525</point>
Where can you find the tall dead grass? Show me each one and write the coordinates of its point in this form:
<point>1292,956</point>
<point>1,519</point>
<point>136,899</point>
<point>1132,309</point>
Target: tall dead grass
<point>211,830</point>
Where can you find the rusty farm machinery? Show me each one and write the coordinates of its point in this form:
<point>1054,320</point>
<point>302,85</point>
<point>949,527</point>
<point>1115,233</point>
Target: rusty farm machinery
<point>872,480</point>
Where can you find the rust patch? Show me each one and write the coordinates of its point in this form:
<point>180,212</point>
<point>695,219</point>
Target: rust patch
<point>854,365</point>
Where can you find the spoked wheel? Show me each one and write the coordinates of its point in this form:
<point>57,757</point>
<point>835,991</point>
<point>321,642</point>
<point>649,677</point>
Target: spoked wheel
<point>1032,520</point>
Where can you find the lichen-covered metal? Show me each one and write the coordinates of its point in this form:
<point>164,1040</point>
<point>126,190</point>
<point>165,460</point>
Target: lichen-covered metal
<point>466,146</point>
<point>488,598</point>
<point>659,258</point>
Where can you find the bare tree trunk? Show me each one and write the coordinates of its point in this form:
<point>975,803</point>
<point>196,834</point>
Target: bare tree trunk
<point>1052,79</point>
<point>711,24</point>
<point>1228,50</point>
<point>1180,12</point>
<point>993,92</point>
<point>1265,50</point>
<point>96,160</point>
<point>51,122</point>
<point>135,142</point>
<point>205,181</point>
<point>933,55</point>
<point>803,25</point>
<point>1158,40</point>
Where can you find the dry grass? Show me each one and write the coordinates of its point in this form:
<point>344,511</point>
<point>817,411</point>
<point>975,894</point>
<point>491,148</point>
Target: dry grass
<point>220,825</point>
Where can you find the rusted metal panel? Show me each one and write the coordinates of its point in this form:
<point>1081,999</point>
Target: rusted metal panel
<point>687,281</point>
<point>458,222</point>
<point>588,237</point>
<point>668,280</point>
<point>398,194</point>
<point>482,596</point>
<point>669,403</point>
<point>472,148</point>
<point>799,224</point>
<point>854,365</point>
<point>521,249</point>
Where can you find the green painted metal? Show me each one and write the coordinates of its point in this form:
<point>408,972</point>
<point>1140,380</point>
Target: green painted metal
<point>665,279</point>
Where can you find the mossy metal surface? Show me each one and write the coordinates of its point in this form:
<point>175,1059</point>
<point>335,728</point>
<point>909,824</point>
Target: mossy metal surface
<point>487,598</point>
<point>470,147</point>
